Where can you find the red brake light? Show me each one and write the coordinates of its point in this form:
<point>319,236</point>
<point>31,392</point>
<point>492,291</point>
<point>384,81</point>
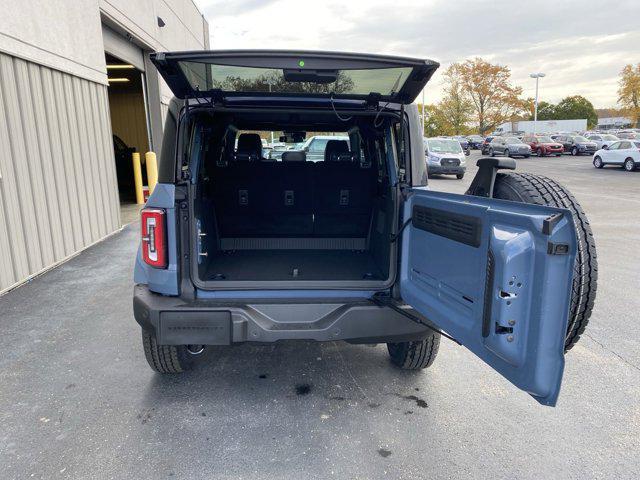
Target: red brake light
<point>154,237</point>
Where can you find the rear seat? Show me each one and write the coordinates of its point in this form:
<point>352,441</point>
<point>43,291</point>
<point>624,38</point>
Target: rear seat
<point>343,193</point>
<point>293,198</point>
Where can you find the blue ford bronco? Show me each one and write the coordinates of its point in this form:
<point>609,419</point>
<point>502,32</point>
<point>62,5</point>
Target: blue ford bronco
<point>351,245</point>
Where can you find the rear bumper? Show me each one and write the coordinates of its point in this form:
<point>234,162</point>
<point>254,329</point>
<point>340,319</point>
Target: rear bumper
<point>177,322</point>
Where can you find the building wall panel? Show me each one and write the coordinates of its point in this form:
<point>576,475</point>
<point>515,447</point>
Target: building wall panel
<point>58,191</point>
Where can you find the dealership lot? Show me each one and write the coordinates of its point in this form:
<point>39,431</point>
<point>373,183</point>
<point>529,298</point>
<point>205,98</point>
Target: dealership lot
<point>77,399</point>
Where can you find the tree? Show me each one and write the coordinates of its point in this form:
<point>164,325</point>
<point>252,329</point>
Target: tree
<point>574,107</point>
<point>489,88</point>
<point>629,91</point>
<point>455,108</point>
<point>436,123</point>
<point>546,110</point>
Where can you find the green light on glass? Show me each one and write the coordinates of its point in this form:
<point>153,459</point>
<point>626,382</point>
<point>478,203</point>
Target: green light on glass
<point>301,63</point>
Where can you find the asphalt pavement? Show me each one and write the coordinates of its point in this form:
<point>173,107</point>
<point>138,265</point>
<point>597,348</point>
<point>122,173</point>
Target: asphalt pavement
<point>77,399</point>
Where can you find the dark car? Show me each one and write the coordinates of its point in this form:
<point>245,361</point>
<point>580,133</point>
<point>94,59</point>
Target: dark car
<point>484,148</point>
<point>237,249</point>
<point>464,143</point>
<point>543,145</point>
<point>124,165</point>
<point>509,147</point>
<point>576,144</point>
<point>475,141</point>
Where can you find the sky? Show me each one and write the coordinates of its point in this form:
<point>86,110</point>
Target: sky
<point>581,46</point>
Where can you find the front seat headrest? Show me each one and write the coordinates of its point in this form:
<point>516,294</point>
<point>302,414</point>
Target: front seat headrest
<point>249,147</point>
<point>337,151</point>
<point>294,156</point>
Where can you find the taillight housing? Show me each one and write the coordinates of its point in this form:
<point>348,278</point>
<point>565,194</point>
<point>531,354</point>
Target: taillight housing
<point>154,237</point>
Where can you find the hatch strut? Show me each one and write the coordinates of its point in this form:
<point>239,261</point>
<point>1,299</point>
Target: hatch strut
<point>383,300</point>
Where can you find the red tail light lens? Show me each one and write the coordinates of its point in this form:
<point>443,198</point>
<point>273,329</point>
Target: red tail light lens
<point>154,237</point>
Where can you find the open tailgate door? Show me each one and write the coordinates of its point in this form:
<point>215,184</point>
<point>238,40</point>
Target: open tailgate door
<point>294,73</point>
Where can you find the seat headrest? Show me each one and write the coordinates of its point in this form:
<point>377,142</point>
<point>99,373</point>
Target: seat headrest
<point>337,151</point>
<point>249,147</point>
<point>294,156</point>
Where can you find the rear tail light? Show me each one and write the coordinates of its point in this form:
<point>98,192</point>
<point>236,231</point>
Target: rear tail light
<point>154,237</point>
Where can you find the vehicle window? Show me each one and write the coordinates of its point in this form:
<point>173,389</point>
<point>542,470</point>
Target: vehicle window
<point>637,144</point>
<point>544,140</point>
<point>229,78</point>
<point>512,140</point>
<point>443,145</point>
<point>614,146</point>
<point>624,145</point>
<point>595,137</point>
<point>609,137</point>
<point>318,145</point>
<point>578,138</point>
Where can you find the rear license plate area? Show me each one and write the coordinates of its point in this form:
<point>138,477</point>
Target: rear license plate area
<point>189,328</point>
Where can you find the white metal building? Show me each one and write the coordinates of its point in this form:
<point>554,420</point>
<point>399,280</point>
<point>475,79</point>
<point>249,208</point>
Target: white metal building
<point>71,74</point>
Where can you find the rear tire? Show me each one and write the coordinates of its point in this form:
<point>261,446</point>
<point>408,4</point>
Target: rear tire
<point>415,355</point>
<point>539,152</point>
<point>460,176</point>
<point>492,153</point>
<point>574,151</point>
<point>165,358</point>
<point>629,165</point>
<point>540,190</point>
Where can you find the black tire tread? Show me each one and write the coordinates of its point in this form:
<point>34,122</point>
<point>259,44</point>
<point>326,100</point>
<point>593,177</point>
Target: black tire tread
<point>415,355</point>
<point>164,358</point>
<point>541,190</point>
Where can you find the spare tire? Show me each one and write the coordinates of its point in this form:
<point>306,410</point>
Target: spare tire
<point>540,190</point>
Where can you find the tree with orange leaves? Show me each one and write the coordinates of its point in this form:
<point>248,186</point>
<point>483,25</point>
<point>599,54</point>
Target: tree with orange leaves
<point>629,91</point>
<point>494,99</point>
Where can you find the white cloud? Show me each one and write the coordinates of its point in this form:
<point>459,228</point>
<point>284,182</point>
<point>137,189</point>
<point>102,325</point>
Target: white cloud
<point>580,45</point>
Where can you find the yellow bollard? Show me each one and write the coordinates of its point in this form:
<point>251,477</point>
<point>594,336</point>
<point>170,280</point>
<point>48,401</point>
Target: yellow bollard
<point>152,170</point>
<point>137,177</point>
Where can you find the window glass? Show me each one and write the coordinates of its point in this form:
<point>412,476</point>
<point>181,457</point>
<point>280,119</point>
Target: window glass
<point>614,146</point>
<point>545,140</point>
<point>578,138</point>
<point>624,145</point>
<point>444,145</point>
<point>205,76</point>
<point>318,145</point>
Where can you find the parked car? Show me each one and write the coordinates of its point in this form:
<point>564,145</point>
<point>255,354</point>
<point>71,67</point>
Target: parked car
<point>543,145</point>
<point>464,143</point>
<point>509,147</point>
<point>352,247</point>
<point>315,146</point>
<point>624,153</point>
<point>629,135</point>
<point>575,144</point>
<point>602,140</point>
<point>475,141</point>
<point>484,148</point>
<point>444,156</point>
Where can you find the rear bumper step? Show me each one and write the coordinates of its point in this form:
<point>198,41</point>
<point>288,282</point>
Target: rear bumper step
<point>176,322</point>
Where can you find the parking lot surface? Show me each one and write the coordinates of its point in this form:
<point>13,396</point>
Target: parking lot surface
<point>77,399</point>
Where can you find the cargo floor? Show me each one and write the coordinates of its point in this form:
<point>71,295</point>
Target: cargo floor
<point>265,265</point>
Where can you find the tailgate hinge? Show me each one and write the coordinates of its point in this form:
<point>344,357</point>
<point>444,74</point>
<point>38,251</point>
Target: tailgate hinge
<point>383,300</point>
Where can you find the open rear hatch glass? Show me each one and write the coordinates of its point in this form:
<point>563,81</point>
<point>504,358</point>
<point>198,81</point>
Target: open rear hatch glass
<point>229,73</point>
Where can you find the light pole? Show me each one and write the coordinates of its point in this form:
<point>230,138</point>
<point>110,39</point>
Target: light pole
<point>537,76</point>
<point>424,113</point>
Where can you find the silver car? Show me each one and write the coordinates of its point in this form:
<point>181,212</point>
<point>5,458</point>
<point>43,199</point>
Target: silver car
<point>602,140</point>
<point>509,147</point>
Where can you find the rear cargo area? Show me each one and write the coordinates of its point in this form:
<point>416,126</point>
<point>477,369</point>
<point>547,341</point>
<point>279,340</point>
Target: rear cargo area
<point>291,219</point>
